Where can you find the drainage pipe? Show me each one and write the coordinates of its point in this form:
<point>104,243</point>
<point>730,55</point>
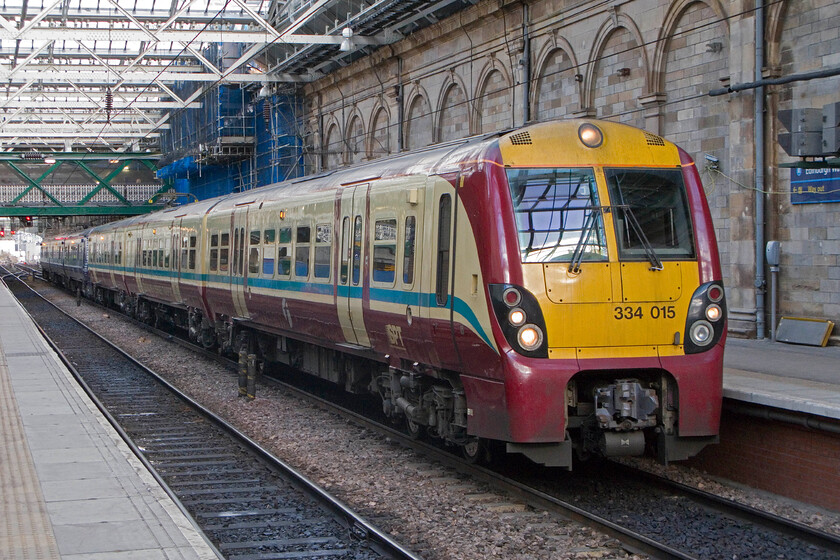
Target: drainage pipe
<point>760,282</point>
<point>400,106</point>
<point>801,419</point>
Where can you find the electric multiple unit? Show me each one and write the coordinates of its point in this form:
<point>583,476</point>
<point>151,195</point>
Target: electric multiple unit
<point>555,290</point>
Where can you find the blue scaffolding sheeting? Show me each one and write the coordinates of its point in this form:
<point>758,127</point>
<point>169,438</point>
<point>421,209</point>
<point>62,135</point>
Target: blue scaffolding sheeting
<point>234,142</point>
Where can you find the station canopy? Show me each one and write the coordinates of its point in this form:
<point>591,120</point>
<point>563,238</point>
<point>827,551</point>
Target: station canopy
<point>105,75</point>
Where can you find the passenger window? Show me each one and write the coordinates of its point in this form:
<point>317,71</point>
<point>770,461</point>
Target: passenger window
<point>408,250</point>
<point>385,251</point>
<point>184,251</point>
<point>268,261</point>
<point>241,269</point>
<point>254,260</point>
<point>444,232</point>
<point>284,255</point>
<point>254,252</point>
<point>193,242</point>
<point>302,239</point>
<point>323,250</point>
<point>345,248</point>
<point>268,252</point>
<point>357,249</point>
<point>214,252</point>
<point>224,253</point>
<point>235,248</point>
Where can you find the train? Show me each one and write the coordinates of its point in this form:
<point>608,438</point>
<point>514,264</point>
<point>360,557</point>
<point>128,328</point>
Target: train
<point>553,290</point>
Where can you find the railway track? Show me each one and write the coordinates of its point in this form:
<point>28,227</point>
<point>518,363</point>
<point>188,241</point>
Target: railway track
<point>699,523</point>
<point>251,505</point>
<point>650,515</point>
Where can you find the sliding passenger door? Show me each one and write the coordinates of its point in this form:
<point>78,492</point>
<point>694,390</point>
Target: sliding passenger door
<point>351,288</point>
<point>441,302</point>
<point>238,266</point>
<point>175,261</point>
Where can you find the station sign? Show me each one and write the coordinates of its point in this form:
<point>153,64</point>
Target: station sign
<point>811,186</point>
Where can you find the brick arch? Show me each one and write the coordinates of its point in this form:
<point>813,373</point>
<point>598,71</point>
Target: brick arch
<point>379,133</point>
<point>453,110</point>
<point>333,144</point>
<point>494,98</point>
<point>556,93</point>
<point>675,14</point>
<point>610,95</point>
<point>688,116</point>
<point>418,119</point>
<point>774,22</point>
<point>354,138</point>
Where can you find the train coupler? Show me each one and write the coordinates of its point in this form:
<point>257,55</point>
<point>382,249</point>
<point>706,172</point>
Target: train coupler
<point>626,405</point>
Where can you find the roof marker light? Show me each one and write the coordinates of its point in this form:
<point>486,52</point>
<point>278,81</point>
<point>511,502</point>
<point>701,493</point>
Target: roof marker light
<point>590,135</point>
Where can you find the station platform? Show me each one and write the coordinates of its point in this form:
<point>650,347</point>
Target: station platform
<point>70,488</point>
<point>787,376</point>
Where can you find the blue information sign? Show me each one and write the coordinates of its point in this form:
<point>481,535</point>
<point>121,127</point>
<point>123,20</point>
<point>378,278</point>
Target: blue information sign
<point>809,186</point>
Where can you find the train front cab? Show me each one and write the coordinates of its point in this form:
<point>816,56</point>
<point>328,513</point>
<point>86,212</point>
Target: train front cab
<point>616,328</point>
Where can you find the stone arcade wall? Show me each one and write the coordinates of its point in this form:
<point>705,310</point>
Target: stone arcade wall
<point>649,63</point>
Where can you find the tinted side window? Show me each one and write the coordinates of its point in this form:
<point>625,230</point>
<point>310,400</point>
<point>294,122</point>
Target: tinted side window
<point>408,249</point>
<point>444,234</point>
<point>302,238</point>
<point>385,250</point>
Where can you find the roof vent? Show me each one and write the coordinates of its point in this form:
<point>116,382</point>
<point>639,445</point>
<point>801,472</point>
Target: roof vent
<point>654,140</point>
<point>521,139</point>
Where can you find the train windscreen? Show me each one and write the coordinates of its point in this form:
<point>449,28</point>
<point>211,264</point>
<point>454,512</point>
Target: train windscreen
<point>651,213</point>
<point>557,214</point>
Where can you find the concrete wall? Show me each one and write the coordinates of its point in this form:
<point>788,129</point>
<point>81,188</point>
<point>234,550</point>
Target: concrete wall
<point>649,63</point>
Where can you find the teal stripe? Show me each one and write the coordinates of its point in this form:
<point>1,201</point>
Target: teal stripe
<point>383,295</point>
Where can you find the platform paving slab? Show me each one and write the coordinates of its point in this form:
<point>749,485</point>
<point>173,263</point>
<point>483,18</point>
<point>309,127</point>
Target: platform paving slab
<point>71,487</point>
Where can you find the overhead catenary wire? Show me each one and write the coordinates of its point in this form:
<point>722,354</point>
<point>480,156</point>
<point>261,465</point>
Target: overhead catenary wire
<point>470,102</point>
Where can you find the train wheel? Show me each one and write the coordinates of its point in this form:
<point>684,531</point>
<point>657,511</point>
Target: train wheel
<point>415,430</point>
<point>476,451</point>
<point>207,339</point>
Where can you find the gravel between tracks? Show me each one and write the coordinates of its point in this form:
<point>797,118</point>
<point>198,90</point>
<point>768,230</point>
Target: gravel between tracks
<point>431,509</point>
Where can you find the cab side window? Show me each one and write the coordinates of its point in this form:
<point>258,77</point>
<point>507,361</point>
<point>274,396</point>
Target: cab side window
<point>444,240</point>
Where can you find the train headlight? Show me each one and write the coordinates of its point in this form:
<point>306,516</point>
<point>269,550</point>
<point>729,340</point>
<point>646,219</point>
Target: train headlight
<point>705,322</point>
<point>590,135</point>
<point>516,317</point>
<point>530,337</point>
<point>512,297</point>
<point>701,333</point>
<point>713,312</point>
<point>520,319</point>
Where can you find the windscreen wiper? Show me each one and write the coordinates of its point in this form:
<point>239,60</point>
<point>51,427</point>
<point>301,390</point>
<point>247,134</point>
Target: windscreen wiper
<point>655,263</point>
<point>583,240</point>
